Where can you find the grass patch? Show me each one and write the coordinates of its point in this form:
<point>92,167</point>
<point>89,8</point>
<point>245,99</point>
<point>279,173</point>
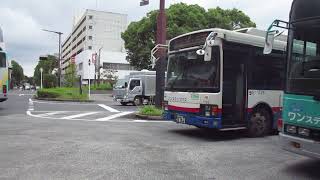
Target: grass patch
<point>102,86</point>
<point>62,94</point>
<point>150,111</point>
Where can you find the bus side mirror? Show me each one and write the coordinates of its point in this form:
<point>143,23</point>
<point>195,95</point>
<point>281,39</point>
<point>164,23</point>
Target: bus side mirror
<point>268,46</point>
<point>207,52</point>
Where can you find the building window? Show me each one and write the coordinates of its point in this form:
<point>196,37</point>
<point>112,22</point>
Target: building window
<point>90,17</point>
<point>89,47</point>
<point>90,27</point>
<point>90,37</point>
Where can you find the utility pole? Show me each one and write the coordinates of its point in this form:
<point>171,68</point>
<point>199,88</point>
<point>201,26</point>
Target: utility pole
<point>41,77</point>
<point>161,39</point>
<point>59,58</point>
<point>89,94</point>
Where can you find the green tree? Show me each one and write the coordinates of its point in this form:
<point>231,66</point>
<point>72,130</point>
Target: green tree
<point>49,80</point>
<point>48,66</point>
<point>71,76</point>
<point>140,36</point>
<point>17,73</point>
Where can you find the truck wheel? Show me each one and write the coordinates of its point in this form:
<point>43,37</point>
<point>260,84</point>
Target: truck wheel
<point>260,123</point>
<point>124,103</point>
<point>137,101</point>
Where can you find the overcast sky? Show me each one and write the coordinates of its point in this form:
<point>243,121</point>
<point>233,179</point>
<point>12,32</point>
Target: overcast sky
<point>22,20</point>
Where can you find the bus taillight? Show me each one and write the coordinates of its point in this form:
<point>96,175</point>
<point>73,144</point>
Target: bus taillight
<point>4,89</point>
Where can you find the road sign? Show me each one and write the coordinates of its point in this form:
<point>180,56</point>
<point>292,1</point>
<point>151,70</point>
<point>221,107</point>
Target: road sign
<point>94,57</point>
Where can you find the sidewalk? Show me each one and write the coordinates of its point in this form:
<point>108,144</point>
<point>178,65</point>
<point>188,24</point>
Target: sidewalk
<point>102,97</point>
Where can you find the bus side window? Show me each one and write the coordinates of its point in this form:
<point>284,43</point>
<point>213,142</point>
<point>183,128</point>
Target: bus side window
<point>268,71</point>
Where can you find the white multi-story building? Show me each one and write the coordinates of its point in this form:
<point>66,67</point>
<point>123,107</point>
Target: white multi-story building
<point>93,31</point>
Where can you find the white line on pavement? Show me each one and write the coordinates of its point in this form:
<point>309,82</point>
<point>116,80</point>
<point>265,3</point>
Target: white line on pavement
<point>52,113</point>
<point>108,108</point>
<point>64,103</point>
<point>79,115</point>
<point>113,116</point>
<point>29,113</point>
<point>31,107</point>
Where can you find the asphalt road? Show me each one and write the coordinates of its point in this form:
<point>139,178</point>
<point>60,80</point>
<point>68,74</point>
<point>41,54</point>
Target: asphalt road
<point>68,141</point>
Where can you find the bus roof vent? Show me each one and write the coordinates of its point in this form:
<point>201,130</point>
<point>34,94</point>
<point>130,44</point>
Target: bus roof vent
<point>252,31</point>
<point>260,33</point>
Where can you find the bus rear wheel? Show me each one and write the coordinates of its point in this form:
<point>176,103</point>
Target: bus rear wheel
<point>260,123</point>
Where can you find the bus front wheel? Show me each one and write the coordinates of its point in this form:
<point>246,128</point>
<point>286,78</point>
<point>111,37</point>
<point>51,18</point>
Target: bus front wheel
<point>260,123</point>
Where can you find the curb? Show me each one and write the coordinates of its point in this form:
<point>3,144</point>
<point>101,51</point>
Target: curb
<point>145,117</point>
<point>62,100</point>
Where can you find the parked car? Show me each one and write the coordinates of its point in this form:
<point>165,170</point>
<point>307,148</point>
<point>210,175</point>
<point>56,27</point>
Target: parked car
<point>27,86</point>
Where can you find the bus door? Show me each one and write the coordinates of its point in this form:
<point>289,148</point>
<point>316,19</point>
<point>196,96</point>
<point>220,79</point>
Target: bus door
<point>234,88</point>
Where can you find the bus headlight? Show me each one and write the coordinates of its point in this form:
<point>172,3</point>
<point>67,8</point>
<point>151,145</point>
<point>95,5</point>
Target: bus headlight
<point>303,132</point>
<point>291,129</point>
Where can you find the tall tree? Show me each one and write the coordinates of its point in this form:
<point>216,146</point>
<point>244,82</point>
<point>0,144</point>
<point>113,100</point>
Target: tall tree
<point>71,76</point>
<point>48,66</point>
<point>140,36</point>
<point>17,73</point>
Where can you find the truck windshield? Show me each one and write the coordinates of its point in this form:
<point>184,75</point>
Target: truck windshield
<point>121,83</point>
<point>188,71</point>
<point>304,61</point>
<point>3,62</point>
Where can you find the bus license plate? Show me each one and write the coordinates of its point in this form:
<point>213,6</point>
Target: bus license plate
<point>180,119</point>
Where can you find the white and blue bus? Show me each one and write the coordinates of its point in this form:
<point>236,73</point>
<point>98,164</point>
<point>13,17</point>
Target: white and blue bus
<point>226,84</point>
<point>4,73</point>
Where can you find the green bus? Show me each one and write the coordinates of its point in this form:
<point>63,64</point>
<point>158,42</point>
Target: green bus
<point>4,73</point>
<point>300,122</point>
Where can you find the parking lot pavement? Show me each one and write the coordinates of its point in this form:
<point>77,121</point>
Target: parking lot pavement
<point>78,111</point>
<point>43,148</point>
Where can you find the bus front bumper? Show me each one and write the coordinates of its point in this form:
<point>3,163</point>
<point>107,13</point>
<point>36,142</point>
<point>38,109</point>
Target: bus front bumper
<point>192,119</point>
<point>300,146</point>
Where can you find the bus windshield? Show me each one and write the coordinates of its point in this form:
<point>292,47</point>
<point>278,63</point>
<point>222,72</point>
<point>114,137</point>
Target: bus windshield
<point>304,61</point>
<point>188,71</point>
<point>3,62</point>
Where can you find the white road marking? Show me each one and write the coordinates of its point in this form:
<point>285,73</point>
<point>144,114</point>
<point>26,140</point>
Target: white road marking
<point>140,121</point>
<point>65,103</point>
<point>24,94</point>
<point>31,107</point>
<point>108,108</point>
<point>108,118</point>
<point>52,113</point>
<point>79,115</point>
<point>29,113</point>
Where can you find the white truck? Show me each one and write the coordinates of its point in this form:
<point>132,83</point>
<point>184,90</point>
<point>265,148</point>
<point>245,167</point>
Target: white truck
<point>137,88</point>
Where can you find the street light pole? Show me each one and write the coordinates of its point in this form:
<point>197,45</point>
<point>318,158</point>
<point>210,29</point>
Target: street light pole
<point>41,77</point>
<point>59,58</point>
